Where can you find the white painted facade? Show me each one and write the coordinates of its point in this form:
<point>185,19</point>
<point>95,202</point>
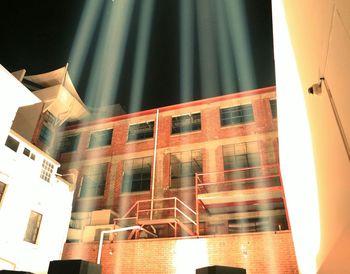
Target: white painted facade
<point>26,191</point>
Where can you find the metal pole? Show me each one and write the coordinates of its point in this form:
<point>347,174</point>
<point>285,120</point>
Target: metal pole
<point>154,163</point>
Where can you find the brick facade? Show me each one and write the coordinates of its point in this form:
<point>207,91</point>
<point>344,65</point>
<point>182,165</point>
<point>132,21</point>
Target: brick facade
<point>258,253</point>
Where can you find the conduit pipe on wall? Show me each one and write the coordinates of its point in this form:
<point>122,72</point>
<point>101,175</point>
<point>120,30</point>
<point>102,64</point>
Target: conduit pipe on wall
<point>154,163</point>
<point>99,253</point>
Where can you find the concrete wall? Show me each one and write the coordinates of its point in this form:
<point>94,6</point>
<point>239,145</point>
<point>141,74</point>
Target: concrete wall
<point>312,41</point>
<point>258,253</point>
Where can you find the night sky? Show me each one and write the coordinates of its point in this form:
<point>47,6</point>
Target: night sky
<point>38,35</point>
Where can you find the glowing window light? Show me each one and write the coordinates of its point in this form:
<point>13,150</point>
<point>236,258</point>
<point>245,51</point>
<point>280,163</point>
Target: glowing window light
<point>298,172</point>
<point>189,255</point>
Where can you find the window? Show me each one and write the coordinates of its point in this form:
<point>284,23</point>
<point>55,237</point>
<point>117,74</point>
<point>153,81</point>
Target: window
<point>33,227</point>
<point>12,143</point>
<point>101,138</point>
<point>186,123</point>
<point>69,143</point>
<point>45,135</point>
<point>141,131</point>
<point>236,115</point>
<point>137,175</point>
<point>98,234</point>
<point>46,170</point>
<point>241,155</point>
<point>273,106</point>
<point>28,153</point>
<point>183,166</point>
<point>2,190</point>
<point>93,182</point>
<point>50,119</point>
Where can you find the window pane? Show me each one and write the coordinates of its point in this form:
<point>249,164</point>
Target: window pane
<point>186,123</point>
<point>141,131</point>
<point>69,143</point>
<point>137,175</point>
<point>93,182</point>
<point>236,115</point>
<point>101,138</point>
<point>33,227</point>
<point>12,143</point>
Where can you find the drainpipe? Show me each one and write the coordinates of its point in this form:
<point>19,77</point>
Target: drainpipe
<point>154,163</point>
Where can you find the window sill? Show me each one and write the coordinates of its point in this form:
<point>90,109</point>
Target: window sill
<point>238,125</point>
<point>134,193</point>
<point>96,148</point>
<point>185,133</point>
<point>139,141</point>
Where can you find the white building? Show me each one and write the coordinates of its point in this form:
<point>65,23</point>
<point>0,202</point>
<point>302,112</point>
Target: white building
<point>35,202</point>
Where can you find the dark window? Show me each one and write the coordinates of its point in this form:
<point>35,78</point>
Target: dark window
<point>242,155</point>
<point>28,153</point>
<point>45,135</point>
<point>273,106</point>
<point>12,143</point>
<point>137,175</point>
<point>141,131</point>
<point>93,182</point>
<point>186,123</point>
<point>69,143</point>
<point>183,166</point>
<point>33,227</point>
<point>2,190</point>
<point>100,138</point>
<point>46,170</point>
<point>236,115</point>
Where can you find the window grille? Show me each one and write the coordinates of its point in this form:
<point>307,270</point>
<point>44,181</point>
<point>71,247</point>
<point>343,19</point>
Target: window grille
<point>183,166</point>
<point>33,227</point>
<point>236,115</point>
<point>186,123</point>
<point>137,175</point>
<point>46,170</point>
<point>141,131</point>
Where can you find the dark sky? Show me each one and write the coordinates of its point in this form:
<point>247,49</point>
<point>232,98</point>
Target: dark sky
<point>38,35</point>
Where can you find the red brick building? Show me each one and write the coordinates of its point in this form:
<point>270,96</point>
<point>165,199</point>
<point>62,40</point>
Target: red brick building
<point>206,169</point>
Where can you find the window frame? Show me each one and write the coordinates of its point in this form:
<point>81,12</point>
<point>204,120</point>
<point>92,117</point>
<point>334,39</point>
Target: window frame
<point>98,144</point>
<point>240,118</point>
<point>75,143</point>
<point>180,165</point>
<point>187,127</point>
<point>139,185</point>
<point>98,171</point>
<point>144,135</point>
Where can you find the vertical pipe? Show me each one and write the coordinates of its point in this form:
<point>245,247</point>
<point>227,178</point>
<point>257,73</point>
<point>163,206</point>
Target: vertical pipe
<point>197,210</point>
<point>154,163</point>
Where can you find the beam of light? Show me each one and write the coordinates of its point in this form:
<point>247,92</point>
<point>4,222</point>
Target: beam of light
<point>297,165</point>
<point>87,26</point>
<point>241,48</point>
<point>207,49</point>
<point>227,70</point>
<point>107,61</point>
<point>184,259</point>
<point>186,50</point>
<point>142,45</point>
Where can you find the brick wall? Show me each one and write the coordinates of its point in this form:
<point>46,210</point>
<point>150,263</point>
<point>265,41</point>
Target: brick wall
<point>258,253</point>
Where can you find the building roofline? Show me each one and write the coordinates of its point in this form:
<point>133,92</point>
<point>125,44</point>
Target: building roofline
<point>173,107</point>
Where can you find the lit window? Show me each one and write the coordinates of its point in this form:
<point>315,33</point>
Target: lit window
<point>183,166</point>
<point>69,143</point>
<point>242,155</point>
<point>100,138</point>
<point>93,182</point>
<point>12,143</point>
<point>141,131</point>
<point>236,115</point>
<point>46,170</point>
<point>137,175</point>
<point>45,135</point>
<point>33,227</point>
<point>273,106</point>
<point>186,123</point>
<point>2,190</point>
